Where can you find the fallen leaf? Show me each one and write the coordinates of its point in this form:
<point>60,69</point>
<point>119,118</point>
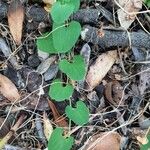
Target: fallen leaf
<point>142,140</point>
<point>104,141</point>
<point>100,68</point>
<point>58,119</point>
<point>48,128</point>
<point>129,6</point>
<point>15,20</point>
<point>8,89</point>
<point>49,4</point>
<point>113,92</point>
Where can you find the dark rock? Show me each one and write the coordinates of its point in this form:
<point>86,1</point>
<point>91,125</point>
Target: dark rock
<point>3,10</point>
<point>51,72</point>
<point>14,76</point>
<point>138,54</point>
<point>33,61</point>
<point>32,79</point>
<point>34,100</point>
<point>37,14</point>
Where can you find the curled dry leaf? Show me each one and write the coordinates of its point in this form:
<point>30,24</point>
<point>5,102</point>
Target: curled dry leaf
<point>8,89</point>
<point>100,68</point>
<point>15,20</point>
<point>58,119</point>
<point>113,92</point>
<point>48,128</point>
<point>130,6</point>
<point>104,141</point>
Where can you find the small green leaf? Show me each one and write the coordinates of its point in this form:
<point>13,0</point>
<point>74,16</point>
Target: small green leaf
<point>75,3</point>
<point>79,115</point>
<point>58,142</point>
<point>147,2</point>
<point>59,92</point>
<point>61,12</point>
<point>74,70</point>
<point>64,38</point>
<point>45,43</point>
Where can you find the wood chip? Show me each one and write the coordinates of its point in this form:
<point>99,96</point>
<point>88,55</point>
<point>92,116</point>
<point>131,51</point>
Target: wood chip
<point>15,20</point>
<point>100,68</point>
<point>8,89</point>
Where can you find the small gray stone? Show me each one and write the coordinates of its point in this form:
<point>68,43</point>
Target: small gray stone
<point>51,72</point>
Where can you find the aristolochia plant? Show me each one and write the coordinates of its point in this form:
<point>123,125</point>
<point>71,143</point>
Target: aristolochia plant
<point>61,39</point>
<point>147,2</point>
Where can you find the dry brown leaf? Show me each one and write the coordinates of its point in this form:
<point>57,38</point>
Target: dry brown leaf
<point>48,128</point>
<point>113,92</point>
<point>49,1</point>
<point>15,20</point>
<point>104,141</point>
<point>98,71</point>
<point>8,89</point>
<point>58,119</point>
<point>49,4</point>
<point>130,6</point>
<point>142,140</point>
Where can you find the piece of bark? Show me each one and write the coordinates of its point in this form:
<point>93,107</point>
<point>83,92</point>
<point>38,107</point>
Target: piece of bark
<point>112,38</point>
<point>38,14</point>
<point>86,16</point>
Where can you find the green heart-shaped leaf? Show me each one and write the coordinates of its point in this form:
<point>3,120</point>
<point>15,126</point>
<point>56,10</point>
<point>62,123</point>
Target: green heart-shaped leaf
<point>74,70</point>
<point>61,12</point>
<point>79,115</point>
<point>45,43</point>
<point>59,92</point>
<point>147,2</point>
<point>75,3</point>
<point>58,142</point>
<point>64,38</point>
